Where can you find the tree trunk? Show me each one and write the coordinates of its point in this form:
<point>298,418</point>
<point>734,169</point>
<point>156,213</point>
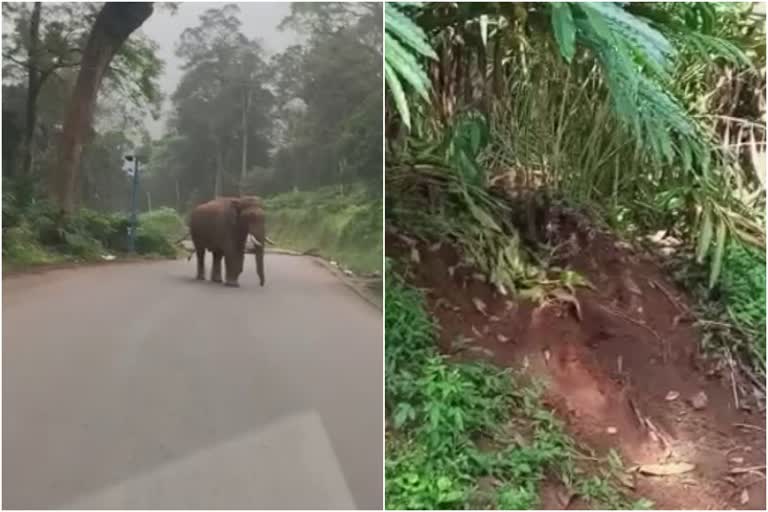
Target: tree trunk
<point>219,166</point>
<point>33,90</point>
<point>114,23</point>
<point>244,163</point>
<point>178,196</point>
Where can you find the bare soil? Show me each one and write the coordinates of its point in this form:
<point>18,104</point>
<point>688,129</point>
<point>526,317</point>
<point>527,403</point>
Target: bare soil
<point>623,376</point>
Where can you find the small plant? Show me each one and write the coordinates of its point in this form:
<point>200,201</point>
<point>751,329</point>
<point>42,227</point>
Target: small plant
<point>438,412</point>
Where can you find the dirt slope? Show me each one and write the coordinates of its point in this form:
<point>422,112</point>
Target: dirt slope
<point>622,376</point>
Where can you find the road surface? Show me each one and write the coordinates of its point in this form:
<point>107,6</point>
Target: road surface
<point>135,386</point>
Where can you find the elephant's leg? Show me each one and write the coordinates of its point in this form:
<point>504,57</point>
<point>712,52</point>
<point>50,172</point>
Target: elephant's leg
<point>260,264</point>
<point>233,262</point>
<point>216,269</point>
<point>200,264</point>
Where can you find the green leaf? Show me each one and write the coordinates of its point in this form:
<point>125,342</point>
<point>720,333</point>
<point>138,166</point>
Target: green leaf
<point>705,234</point>
<point>717,259</point>
<point>406,66</point>
<point>407,31</point>
<point>398,94</point>
<point>565,30</point>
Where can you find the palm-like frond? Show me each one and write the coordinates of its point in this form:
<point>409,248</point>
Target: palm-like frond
<point>405,43</point>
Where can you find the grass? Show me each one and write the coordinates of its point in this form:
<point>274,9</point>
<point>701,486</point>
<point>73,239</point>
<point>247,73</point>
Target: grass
<point>36,236</point>
<point>469,435</point>
<point>343,224</point>
<point>734,314</point>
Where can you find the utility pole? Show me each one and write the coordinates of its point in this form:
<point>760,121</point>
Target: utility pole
<point>133,172</point>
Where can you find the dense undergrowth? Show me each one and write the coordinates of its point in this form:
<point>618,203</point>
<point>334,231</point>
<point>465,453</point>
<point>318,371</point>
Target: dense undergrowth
<point>34,234</point>
<point>440,411</point>
<point>733,315</point>
<point>340,223</point>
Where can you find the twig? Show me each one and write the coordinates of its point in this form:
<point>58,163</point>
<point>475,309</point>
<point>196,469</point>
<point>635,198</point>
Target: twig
<point>749,427</point>
<point>661,436</point>
<point>681,308</point>
<point>640,323</point>
<point>750,469</point>
<point>636,410</point>
<point>733,381</point>
<point>752,377</point>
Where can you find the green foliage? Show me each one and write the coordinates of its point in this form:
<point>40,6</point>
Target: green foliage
<point>342,223</point>
<point>743,285</point>
<point>38,234</point>
<point>158,231</point>
<point>437,412</point>
<point>405,43</point>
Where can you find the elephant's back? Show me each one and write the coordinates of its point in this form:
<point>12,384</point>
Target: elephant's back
<point>206,223</point>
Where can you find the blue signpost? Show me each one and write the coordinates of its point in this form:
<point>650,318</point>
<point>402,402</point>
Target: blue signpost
<point>134,193</point>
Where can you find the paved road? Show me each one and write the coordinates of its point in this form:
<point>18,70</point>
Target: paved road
<point>134,386</point>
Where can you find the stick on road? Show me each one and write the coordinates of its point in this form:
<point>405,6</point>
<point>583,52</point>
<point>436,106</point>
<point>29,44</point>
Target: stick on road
<point>134,386</point>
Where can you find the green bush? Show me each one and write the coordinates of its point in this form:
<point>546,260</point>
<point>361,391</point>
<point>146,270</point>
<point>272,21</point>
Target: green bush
<point>158,231</point>
<point>743,287</point>
<point>343,223</point>
<point>39,235</point>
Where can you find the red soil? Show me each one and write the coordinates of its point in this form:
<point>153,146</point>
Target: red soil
<point>609,374</point>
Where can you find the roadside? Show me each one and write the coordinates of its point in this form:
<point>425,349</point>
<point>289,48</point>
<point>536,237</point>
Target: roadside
<point>36,239</point>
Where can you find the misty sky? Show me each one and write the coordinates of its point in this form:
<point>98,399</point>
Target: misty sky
<point>260,20</point>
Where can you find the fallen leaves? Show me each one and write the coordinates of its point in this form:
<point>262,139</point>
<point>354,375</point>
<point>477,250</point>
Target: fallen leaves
<point>672,468</point>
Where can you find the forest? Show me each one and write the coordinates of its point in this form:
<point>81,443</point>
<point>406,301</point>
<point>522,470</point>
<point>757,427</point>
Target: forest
<point>575,255</point>
<point>241,122</point>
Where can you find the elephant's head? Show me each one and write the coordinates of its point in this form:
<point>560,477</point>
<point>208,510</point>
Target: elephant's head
<point>250,220</point>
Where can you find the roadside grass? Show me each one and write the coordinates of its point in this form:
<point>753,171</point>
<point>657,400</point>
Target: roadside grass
<point>469,435</point>
<point>343,224</point>
<point>38,237</point>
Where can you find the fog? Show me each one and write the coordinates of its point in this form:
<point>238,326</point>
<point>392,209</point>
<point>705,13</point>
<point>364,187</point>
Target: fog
<point>260,20</point>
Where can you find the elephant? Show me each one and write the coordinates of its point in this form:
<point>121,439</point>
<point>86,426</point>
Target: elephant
<point>222,227</point>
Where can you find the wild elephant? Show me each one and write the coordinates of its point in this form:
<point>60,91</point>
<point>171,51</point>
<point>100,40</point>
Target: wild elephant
<point>222,227</point>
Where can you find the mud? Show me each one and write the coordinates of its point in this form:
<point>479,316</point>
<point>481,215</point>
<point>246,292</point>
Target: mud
<point>621,376</point>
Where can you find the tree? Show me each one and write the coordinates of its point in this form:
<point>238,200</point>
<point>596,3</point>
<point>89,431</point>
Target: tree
<point>114,24</point>
<point>222,101</point>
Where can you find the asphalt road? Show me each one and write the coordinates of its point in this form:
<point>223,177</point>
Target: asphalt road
<point>135,386</point>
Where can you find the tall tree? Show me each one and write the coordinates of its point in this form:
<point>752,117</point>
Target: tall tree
<point>114,24</point>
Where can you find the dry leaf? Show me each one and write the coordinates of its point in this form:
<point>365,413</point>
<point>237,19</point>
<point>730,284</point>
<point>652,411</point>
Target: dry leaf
<point>744,497</point>
<point>479,305</point>
<point>502,338</point>
<point>737,460</point>
<point>672,395</point>
<point>674,468</point>
<point>415,255</point>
